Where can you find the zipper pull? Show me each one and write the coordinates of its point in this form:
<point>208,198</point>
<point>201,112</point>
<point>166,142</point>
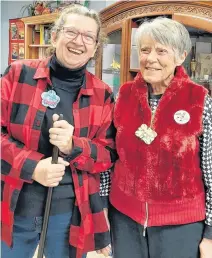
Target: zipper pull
<point>144,230</point>
<point>152,118</point>
<point>146,221</point>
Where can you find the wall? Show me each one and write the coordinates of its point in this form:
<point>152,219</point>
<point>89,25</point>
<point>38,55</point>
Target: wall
<point>97,5</point>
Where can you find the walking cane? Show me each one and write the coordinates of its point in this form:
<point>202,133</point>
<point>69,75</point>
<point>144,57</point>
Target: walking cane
<point>55,153</point>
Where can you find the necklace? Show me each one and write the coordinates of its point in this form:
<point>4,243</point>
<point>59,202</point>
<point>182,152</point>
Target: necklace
<point>145,132</point>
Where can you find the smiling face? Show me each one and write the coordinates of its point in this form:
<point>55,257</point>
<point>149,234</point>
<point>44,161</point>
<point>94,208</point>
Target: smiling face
<point>157,62</point>
<point>76,42</point>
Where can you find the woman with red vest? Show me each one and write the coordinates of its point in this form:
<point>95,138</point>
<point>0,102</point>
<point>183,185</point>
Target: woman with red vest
<point>161,191</point>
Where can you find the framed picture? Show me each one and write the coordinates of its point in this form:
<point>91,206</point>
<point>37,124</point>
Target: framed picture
<point>14,51</point>
<point>16,40</point>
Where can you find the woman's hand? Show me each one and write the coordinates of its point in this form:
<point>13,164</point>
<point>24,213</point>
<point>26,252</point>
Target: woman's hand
<point>48,174</point>
<point>106,217</point>
<point>206,248</point>
<point>61,135</point>
<point>107,251</point>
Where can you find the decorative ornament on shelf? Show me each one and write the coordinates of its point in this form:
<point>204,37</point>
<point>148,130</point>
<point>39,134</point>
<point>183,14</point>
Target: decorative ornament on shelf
<point>45,7</point>
<point>39,8</point>
<point>115,65</point>
<point>193,68</point>
<point>193,63</point>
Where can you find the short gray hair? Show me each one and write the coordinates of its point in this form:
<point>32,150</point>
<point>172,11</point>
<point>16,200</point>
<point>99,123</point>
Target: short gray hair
<point>166,32</point>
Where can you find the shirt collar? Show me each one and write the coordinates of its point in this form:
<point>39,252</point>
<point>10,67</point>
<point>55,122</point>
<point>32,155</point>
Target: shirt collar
<point>43,71</point>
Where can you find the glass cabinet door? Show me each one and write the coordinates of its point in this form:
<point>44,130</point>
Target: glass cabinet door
<point>198,63</point>
<point>111,61</point>
<point>91,66</point>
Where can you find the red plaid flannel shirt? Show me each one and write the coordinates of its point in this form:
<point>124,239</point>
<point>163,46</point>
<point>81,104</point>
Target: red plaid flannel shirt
<point>21,120</point>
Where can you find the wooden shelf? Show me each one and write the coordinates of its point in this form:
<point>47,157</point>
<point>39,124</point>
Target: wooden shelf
<point>134,70</point>
<point>37,45</point>
<point>41,19</point>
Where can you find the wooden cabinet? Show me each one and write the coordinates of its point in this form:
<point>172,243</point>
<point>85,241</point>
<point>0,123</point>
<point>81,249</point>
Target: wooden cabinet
<point>120,21</point>
<point>33,45</point>
<point>125,16</point>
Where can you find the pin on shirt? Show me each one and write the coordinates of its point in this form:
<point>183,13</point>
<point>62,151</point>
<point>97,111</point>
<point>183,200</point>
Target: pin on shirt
<point>181,117</point>
<point>50,99</point>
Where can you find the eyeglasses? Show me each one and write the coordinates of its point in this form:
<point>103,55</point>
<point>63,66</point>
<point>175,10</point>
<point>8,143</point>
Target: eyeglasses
<point>72,33</point>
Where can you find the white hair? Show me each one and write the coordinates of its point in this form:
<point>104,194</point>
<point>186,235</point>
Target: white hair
<point>166,32</point>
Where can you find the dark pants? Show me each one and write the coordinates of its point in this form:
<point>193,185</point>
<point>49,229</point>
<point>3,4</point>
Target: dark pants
<point>160,242</point>
<point>27,233</point>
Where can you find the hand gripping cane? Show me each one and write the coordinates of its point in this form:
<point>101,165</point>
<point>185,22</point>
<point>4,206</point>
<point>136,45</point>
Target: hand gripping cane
<point>55,153</point>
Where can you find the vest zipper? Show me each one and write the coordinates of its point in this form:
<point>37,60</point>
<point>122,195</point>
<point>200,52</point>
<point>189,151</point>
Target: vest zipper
<point>146,221</point>
<point>152,118</point>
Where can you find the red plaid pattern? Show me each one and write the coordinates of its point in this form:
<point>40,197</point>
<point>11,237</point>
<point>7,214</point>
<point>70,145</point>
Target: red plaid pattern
<point>93,152</point>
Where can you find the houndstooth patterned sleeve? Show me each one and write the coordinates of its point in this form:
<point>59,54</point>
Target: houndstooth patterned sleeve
<point>105,183</point>
<point>206,156</point>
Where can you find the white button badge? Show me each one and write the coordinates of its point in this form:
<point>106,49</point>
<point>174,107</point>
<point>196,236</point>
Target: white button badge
<point>181,117</point>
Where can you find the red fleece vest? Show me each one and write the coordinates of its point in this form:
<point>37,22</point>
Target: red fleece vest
<point>160,183</point>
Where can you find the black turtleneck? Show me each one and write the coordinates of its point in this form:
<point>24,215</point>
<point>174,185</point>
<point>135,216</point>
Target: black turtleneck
<point>66,83</point>
<point>64,78</point>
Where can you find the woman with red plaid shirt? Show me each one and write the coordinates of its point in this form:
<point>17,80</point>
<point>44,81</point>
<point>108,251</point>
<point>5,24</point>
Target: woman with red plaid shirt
<point>33,93</point>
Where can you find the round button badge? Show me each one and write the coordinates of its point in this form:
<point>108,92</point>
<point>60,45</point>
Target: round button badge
<point>181,117</point>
